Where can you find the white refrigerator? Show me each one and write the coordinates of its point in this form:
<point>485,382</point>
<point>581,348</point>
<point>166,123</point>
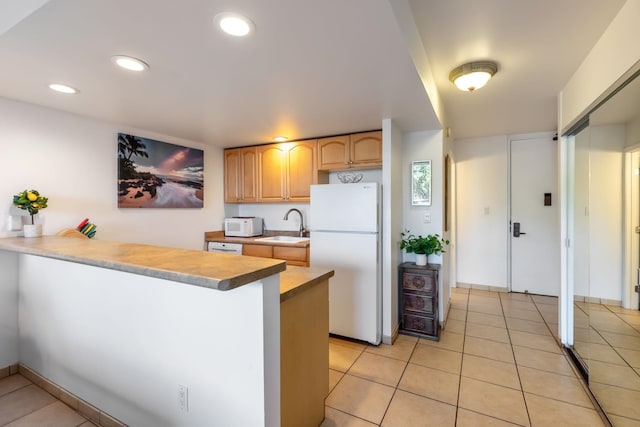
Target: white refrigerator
<point>344,220</point>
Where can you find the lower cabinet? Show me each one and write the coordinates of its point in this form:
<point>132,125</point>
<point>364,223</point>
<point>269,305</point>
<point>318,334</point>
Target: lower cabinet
<point>304,361</point>
<point>294,255</point>
<point>418,299</point>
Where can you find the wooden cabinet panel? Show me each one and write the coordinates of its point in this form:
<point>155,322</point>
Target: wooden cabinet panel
<point>249,160</point>
<point>304,360</point>
<point>418,282</point>
<point>232,168</point>
<point>358,150</point>
<point>366,149</point>
<point>286,171</point>
<point>302,171</point>
<point>291,254</point>
<point>271,173</point>
<point>240,175</point>
<point>262,251</point>
<point>333,152</point>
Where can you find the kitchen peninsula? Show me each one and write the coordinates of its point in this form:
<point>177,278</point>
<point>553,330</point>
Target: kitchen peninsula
<point>126,326</point>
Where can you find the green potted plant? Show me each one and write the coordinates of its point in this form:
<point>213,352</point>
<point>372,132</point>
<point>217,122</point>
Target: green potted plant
<point>432,244</point>
<point>32,202</point>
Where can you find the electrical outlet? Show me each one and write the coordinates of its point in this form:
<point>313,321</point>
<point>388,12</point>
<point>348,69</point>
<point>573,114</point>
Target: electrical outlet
<point>183,398</point>
<point>427,218</point>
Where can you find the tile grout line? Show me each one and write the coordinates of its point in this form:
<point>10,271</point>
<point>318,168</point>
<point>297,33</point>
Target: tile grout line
<point>513,353</point>
<point>464,341</point>
<point>395,390</point>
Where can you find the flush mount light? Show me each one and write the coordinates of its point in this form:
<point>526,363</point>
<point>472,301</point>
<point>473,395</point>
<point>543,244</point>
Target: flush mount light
<point>280,138</point>
<point>63,88</point>
<point>129,63</point>
<point>234,24</point>
<point>473,75</point>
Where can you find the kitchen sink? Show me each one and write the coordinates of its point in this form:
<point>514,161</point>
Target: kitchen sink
<point>283,239</point>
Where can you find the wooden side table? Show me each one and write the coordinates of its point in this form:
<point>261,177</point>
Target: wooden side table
<point>418,300</point>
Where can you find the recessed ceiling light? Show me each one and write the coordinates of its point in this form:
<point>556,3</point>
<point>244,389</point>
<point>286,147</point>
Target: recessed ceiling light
<point>129,63</point>
<point>234,24</point>
<point>63,88</point>
<point>280,138</point>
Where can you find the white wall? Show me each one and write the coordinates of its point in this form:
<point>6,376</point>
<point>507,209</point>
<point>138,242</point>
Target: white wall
<point>633,133</point>
<point>124,342</point>
<point>8,309</point>
<point>482,210</point>
<point>273,214</point>
<point>72,160</point>
<point>606,211</point>
<point>392,210</point>
<point>613,56</point>
<point>425,145</point>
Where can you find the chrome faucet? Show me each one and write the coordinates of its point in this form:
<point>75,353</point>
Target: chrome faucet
<point>286,217</point>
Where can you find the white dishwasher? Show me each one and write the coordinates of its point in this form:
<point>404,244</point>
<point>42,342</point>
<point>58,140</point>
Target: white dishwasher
<point>225,248</point>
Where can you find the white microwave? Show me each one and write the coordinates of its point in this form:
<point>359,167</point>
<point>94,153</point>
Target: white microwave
<point>243,226</point>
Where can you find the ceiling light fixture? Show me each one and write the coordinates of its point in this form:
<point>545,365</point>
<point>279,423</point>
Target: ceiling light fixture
<point>234,24</point>
<point>63,88</point>
<point>473,75</point>
<point>129,63</point>
<point>280,138</point>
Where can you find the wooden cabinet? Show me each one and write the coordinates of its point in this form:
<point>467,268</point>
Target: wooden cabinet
<point>418,300</point>
<point>294,255</point>
<point>358,150</point>
<point>262,251</point>
<point>304,360</point>
<point>240,175</point>
<point>286,171</point>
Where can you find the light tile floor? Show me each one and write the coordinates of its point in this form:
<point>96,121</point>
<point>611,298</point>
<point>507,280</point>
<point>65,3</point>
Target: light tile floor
<point>23,404</point>
<point>496,364</point>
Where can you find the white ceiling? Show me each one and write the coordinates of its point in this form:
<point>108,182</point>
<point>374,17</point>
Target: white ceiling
<point>312,68</point>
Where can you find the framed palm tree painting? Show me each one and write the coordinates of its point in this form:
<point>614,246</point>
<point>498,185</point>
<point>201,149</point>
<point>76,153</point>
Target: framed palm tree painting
<point>421,183</point>
<point>155,174</point>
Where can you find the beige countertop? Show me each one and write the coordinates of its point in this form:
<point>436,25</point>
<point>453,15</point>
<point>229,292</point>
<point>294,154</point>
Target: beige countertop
<point>296,279</point>
<point>218,236</point>
<point>199,268</point>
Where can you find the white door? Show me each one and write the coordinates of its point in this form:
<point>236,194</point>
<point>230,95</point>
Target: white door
<point>535,249</point>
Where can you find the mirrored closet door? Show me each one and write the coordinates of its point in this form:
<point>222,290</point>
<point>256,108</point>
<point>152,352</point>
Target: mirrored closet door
<point>604,224</point>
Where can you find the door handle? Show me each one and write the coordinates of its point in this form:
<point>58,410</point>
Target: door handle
<point>516,230</point>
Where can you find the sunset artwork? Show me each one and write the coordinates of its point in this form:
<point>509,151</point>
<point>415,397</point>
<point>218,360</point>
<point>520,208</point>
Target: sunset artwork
<point>155,174</point>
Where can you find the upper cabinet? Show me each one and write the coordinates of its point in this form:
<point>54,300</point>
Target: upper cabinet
<point>286,171</point>
<point>358,150</point>
<point>240,175</point>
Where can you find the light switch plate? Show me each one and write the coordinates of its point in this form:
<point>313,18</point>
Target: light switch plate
<point>427,218</point>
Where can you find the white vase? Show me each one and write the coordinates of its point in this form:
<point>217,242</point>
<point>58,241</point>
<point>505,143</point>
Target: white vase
<point>32,230</point>
<point>432,259</point>
<point>421,259</point>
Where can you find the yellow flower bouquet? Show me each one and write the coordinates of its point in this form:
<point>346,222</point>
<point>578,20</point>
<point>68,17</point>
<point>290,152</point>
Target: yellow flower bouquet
<point>31,201</point>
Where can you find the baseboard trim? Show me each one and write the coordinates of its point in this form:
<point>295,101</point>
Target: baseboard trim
<point>85,408</point>
<point>8,370</point>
